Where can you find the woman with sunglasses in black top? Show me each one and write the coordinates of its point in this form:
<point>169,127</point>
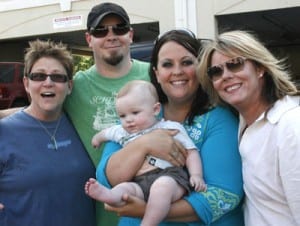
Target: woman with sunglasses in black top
<point>237,70</point>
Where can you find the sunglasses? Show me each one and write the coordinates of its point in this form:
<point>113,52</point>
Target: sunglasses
<point>39,77</point>
<point>102,31</point>
<point>234,65</point>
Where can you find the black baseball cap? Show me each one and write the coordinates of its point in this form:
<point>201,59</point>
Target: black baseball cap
<point>98,12</point>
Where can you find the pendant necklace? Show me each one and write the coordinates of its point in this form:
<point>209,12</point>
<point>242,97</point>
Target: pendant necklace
<point>52,136</point>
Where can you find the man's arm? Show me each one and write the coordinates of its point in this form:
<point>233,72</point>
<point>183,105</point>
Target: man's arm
<point>9,111</point>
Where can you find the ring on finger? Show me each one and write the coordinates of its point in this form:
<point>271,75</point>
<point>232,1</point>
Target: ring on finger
<point>174,154</point>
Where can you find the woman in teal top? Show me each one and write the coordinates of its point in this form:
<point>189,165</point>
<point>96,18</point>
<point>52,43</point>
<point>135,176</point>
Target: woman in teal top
<point>213,129</point>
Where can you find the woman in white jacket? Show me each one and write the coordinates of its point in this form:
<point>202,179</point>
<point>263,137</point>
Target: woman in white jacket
<point>238,70</point>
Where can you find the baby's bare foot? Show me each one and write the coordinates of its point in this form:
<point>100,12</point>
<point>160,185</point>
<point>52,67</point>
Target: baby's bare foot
<point>99,192</point>
<point>94,189</point>
<point>88,184</point>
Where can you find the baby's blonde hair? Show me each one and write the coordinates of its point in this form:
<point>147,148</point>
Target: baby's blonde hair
<point>144,88</point>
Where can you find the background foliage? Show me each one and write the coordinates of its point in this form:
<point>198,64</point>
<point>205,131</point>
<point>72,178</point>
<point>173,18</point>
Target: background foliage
<point>82,63</point>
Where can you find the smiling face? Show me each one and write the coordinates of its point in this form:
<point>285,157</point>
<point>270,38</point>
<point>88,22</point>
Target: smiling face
<point>176,73</point>
<point>47,97</point>
<point>112,48</point>
<point>241,89</point>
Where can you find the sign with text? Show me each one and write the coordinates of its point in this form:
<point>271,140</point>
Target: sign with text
<point>68,21</point>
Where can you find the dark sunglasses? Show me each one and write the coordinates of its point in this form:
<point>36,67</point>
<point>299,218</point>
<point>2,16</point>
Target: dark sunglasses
<point>39,77</point>
<point>234,65</point>
<point>102,31</point>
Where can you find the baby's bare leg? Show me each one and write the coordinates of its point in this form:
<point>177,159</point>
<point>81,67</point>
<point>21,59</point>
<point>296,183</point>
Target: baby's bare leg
<point>163,192</point>
<point>111,196</point>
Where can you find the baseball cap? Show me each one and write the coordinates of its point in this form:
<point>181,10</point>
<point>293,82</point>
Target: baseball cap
<point>98,12</point>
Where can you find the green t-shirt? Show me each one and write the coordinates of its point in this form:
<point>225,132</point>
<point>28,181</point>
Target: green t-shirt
<point>91,108</point>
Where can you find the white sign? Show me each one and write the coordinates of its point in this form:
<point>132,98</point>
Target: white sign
<point>69,21</point>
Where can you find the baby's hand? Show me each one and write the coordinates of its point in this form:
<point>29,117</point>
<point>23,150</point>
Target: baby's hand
<point>95,142</point>
<point>198,183</point>
<point>99,138</point>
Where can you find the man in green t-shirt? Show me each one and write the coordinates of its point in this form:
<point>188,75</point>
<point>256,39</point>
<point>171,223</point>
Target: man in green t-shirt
<point>91,103</point>
<point>90,106</point>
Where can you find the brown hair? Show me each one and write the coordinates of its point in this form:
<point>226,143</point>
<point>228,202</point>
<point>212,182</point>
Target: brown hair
<point>188,40</point>
<point>38,49</point>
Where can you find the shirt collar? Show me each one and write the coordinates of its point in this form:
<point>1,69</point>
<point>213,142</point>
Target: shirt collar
<point>274,113</point>
<point>282,106</point>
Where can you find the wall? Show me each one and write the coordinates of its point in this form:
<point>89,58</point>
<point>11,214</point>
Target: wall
<point>207,10</point>
<point>21,19</point>
<point>44,19</point>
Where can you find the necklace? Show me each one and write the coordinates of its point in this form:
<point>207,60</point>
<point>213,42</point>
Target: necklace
<point>52,136</point>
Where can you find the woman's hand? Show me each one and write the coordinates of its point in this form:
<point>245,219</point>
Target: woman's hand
<point>1,206</point>
<point>124,164</point>
<point>180,211</point>
<point>134,207</point>
<point>161,144</point>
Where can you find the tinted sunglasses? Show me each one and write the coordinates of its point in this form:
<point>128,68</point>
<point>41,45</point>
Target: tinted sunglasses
<point>234,65</point>
<point>39,77</point>
<point>102,31</point>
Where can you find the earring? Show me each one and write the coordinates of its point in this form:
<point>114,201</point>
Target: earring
<point>158,117</point>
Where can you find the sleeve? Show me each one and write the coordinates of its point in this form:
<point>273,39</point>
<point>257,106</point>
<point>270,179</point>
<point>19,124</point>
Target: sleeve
<point>182,136</point>
<point>288,158</point>
<point>109,149</point>
<point>115,133</point>
<point>221,167</point>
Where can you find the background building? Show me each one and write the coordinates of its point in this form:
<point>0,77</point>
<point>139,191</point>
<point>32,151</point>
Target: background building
<point>277,22</point>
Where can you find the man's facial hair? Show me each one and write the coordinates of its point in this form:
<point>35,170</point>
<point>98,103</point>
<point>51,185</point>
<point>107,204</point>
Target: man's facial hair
<point>114,60</point>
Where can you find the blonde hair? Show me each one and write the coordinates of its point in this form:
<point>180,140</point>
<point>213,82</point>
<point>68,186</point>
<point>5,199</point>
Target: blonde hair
<point>277,82</point>
<point>143,87</point>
